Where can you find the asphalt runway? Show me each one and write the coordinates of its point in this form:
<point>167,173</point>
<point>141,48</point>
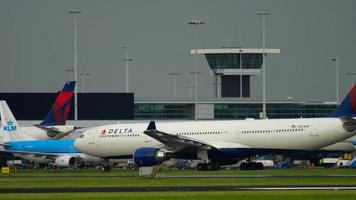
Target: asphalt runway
<point>255,176</point>
<point>175,189</point>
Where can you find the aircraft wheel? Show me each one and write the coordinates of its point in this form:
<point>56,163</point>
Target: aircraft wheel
<point>243,166</point>
<point>259,166</point>
<point>216,166</point>
<point>106,169</point>
<point>200,167</point>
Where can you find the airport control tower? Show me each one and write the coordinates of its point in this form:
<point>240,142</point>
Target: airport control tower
<point>233,67</point>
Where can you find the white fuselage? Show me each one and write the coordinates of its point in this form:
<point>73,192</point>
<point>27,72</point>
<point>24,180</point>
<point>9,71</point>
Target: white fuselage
<point>285,134</point>
<point>343,146</point>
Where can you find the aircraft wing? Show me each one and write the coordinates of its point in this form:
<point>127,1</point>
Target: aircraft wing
<point>176,141</point>
<point>35,154</point>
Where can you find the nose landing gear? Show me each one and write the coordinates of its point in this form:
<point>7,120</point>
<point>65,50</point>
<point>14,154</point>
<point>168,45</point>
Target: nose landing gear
<point>208,167</point>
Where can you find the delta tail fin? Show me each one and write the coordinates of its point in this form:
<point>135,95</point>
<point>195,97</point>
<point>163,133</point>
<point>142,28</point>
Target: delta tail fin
<point>59,112</point>
<point>348,106</point>
<point>10,128</point>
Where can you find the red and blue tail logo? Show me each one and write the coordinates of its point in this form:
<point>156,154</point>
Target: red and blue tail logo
<point>348,106</point>
<point>59,112</point>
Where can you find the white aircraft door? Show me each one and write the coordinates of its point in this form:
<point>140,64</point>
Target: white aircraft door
<point>91,139</point>
<point>314,129</point>
<point>237,132</point>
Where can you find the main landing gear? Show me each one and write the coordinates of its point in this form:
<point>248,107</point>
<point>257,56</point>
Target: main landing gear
<point>251,166</point>
<point>206,164</point>
<point>105,165</point>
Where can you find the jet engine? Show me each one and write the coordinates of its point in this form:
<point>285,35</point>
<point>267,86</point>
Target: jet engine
<point>65,161</point>
<point>149,156</point>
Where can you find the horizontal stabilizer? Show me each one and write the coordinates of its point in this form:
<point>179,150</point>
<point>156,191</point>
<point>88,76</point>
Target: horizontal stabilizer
<point>54,132</point>
<point>349,123</point>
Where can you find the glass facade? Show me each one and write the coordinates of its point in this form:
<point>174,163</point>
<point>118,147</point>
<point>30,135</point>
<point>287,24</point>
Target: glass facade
<point>185,111</point>
<point>276,110</point>
<point>232,60</point>
<point>164,111</point>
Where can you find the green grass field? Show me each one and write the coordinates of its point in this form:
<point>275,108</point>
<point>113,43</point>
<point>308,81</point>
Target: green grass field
<point>272,172</point>
<point>236,195</point>
<point>130,178</point>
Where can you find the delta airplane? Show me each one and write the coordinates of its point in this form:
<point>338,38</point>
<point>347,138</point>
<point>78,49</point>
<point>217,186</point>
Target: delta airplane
<point>62,152</point>
<point>53,126</point>
<point>218,143</point>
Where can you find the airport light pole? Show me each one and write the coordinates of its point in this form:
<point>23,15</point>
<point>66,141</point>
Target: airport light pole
<point>70,70</point>
<point>218,84</point>
<point>174,74</point>
<point>127,60</point>
<point>190,87</point>
<point>241,74</point>
<point>196,23</point>
<point>82,75</point>
<point>352,74</point>
<point>194,87</point>
<point>75,13</point>
<point>336,60</point>
<point>264,112</point>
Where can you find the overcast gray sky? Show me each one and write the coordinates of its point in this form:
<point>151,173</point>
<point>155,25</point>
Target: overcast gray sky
<point>36,43</point>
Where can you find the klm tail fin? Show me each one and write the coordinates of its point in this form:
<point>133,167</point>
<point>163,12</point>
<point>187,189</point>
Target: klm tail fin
<point>10,128</point>
<point>59,112</point>
<point>348,106</point>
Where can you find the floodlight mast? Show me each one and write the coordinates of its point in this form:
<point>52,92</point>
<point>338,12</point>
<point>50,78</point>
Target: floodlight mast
<point>196,23</point>
<point>264,110</point>
<point>336,60</point>
<point>75,13</point>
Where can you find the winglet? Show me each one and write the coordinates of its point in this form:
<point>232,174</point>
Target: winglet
<point>152,125</point>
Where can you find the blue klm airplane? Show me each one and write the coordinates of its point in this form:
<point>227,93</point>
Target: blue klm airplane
<point>61,152</point>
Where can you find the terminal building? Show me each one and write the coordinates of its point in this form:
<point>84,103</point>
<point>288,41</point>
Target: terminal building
<point>121,106</point>
<point>229,110</point>
<point>231,68</point>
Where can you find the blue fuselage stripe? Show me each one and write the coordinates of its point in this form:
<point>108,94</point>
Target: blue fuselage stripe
<point>43,146</point>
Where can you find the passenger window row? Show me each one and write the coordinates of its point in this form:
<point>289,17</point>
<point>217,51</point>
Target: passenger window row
<point>274,131</point>
<point>119,135</point>
<point>204,133</point>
